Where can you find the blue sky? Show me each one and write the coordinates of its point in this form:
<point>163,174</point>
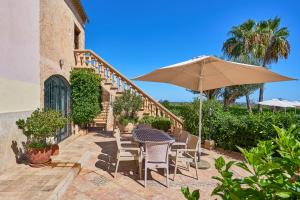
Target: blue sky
<point>138,36</point>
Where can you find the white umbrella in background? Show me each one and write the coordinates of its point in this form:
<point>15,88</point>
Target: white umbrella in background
<point>296,103</point>
<point>207,73</point>
<point>277,103</point>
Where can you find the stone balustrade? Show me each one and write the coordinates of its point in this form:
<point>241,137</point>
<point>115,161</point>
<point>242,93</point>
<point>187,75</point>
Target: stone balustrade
<point>118,82</point>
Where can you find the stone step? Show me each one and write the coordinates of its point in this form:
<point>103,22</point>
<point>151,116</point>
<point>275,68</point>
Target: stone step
<point>108,83</point>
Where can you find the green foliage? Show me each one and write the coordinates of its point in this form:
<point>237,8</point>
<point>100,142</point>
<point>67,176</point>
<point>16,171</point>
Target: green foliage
<point>147,120</point>
<point>86,96</point>
<point>40,126</point>
<point>160,123</point>
<point>234,127</point>
<point>125,107</point>
<point>195,195</point>
<point>272,167</point>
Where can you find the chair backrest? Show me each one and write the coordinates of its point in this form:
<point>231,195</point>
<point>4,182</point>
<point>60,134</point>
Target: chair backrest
<point>177,132</point>
<point>118,137</point>
<point>184,136</point>
<point>157,152</point>
<point>193,142</point>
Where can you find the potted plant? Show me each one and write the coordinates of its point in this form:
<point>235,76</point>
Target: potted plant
<point>125,110</point>
<point>39,128</point>
<point>209,143</point>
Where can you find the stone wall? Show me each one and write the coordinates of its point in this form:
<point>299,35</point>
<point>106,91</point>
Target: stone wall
<point>19,72</point>
<point>12,139</point>
<point>57,23</point>
<point>19,55</point>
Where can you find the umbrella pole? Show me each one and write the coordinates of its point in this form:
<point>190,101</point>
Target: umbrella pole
<point>200,120</point>
<point>201,164</point>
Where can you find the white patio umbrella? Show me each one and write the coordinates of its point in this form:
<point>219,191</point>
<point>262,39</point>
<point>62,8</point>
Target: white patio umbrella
<point>296,103</point>
<point>277,103</point>
<point>207,73</point>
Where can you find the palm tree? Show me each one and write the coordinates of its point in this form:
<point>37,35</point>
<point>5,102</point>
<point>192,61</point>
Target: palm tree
<point>264,42</point>
<point>272,45</point>
<point>240,47</point>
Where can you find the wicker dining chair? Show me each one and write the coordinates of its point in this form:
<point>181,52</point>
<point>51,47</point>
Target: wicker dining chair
<point>125,153</point>
<point>181,139</point>
<point>187,155</point>
<point>157,156</point>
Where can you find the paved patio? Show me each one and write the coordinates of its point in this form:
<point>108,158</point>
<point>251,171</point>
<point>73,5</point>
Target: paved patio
<point>86,158</point>
<point>95,181</point>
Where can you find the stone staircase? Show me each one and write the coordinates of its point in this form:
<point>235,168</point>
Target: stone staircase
<point>101,120</point>
<point>113,84</point>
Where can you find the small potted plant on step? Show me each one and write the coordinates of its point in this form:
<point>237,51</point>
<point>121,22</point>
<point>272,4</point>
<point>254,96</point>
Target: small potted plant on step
<point>39,128</point>
<point>209,143</point>
<point>125,110</point>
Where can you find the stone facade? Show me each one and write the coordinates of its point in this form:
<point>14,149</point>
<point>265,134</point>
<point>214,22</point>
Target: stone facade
<point>58,20</point>
<point>37,41</point>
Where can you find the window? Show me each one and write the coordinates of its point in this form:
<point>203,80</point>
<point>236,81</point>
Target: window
<point>76,37</point>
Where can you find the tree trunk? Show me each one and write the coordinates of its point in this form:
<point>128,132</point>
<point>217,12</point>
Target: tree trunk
<point>261,97</point>
<point>248,103</point>
<point>261,92</point>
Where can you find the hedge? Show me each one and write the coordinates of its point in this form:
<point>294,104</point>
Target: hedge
<point>160,123</point>
<point>230,129</point>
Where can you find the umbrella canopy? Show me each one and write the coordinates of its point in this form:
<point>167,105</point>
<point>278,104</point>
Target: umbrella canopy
<point>208,72</point>
<point>296,103</point>
<point>277,103</point>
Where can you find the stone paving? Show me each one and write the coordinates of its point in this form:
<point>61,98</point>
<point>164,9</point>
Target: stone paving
<point>96,179</point>
<point>91,159</point>
<point>24,182</point>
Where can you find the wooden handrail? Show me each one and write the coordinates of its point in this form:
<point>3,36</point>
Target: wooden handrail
<point>117,74</point>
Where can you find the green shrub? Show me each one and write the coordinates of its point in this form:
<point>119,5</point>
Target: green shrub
<point>271,171</point>
<point>195,195</point>
<point>126,107</point>
<point>160,123</point>
<point>272,167</point>
<point>86,96</point>
<point>147,120</point>
<point>235,127</point>
<point>40,126</point>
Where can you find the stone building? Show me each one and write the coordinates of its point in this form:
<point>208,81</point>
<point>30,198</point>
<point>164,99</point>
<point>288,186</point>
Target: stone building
<point>37,43</point>
<point>41,41</point>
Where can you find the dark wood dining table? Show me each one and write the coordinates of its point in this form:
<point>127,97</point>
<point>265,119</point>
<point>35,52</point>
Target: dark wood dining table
<point>143,135</point>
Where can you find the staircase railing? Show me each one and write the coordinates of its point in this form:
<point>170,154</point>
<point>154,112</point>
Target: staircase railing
<point>87,58</point>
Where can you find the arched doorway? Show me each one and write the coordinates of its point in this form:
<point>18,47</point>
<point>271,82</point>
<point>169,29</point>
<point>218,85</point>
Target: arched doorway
<point>57,96</point>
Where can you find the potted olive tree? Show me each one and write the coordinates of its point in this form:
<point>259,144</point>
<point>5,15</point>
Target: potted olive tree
<point>125,109</point>
<point>39,128</point>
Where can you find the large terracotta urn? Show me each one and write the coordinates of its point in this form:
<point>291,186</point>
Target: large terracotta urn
<point>126,129</point>
<point>38,156</point>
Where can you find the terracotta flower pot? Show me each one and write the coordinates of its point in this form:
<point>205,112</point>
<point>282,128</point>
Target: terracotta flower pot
<point>39,155</point>
<point>126,129</point>
<point>209,144</point>
<point>54,150</point>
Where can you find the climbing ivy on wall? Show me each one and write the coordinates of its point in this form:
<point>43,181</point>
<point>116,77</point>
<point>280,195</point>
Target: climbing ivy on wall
<point>86,96</point>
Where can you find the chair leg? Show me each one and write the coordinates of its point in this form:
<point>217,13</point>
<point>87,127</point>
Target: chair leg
<point>175,170</point>
<point>145,177</point>
<point>196,168</point>
<point>140,169</point>
<point>117,165</point>
<point>167,169</point>
<point>188,166</point>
